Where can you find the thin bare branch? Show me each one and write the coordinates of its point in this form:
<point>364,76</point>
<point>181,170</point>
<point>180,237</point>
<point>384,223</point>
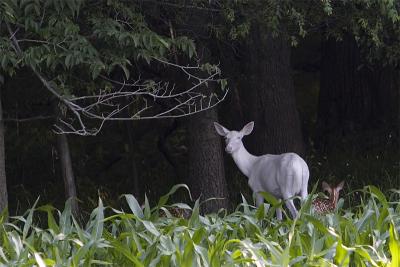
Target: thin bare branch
<point>132,100</point>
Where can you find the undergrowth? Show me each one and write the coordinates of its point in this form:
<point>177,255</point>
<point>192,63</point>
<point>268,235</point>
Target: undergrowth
<point>362,235</point>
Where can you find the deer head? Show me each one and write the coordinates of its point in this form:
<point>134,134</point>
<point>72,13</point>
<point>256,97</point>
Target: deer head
<point>233,139</point>
<point>333,191</point>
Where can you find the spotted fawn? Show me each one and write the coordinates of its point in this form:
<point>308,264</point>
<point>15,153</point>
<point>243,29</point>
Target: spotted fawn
<point>323,205</point>
<point>176,213</point>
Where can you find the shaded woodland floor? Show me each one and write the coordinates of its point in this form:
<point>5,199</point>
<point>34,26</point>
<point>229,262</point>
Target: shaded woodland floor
<point>103,164</point>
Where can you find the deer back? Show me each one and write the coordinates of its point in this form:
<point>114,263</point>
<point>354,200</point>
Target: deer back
<point>278,174</point>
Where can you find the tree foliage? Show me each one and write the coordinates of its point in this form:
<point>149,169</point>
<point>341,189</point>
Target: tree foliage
<point>74,47</point>
<point>374,23</point>
<point>67,34</point>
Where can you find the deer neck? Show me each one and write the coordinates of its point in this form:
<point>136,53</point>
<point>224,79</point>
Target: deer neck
<point>334,197</point>
<point>244,160</point>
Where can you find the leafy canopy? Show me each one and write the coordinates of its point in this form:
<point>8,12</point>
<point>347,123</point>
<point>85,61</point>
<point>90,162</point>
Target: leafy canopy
<point>76,47</point>
<point>58,36</point>
<point>375,24</point>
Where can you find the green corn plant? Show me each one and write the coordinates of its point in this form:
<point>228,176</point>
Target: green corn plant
<point>363,235</point>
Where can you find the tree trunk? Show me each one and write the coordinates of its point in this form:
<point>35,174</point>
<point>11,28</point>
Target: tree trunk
<point>268,95</point>
<point>3,180</point>
<point>206,177</point>
<point>354,96</point>
<point>233,103</point>
<point>66,168</point>
<point>206,173</point>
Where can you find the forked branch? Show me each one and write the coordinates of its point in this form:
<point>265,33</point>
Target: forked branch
<point>134,100</point>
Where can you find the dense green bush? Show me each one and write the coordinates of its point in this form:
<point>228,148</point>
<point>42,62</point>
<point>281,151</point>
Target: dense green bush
<point>362,235</point>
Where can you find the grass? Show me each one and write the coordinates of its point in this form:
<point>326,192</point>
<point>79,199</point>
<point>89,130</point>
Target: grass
<point>363,235</point>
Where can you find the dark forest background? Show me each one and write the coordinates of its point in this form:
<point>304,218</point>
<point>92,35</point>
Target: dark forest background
<point>319,78</point>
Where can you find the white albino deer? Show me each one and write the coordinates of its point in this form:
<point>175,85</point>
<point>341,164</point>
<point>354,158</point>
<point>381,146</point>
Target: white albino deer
<point>284,176</point>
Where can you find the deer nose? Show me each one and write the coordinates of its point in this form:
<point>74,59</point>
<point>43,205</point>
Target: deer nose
<point>229,149</point>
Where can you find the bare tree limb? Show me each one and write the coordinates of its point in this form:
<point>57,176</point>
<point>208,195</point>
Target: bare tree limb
<point>140,99</point>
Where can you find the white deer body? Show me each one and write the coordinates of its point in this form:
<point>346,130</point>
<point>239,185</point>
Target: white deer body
<point>284,176</point>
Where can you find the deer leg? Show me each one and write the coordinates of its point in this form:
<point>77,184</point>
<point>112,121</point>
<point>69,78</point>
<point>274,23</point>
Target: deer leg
<point>279,214</point>
<point>287,195</point>
<point>259,200</point>
<point>303,194</point>
<point>290,205</point>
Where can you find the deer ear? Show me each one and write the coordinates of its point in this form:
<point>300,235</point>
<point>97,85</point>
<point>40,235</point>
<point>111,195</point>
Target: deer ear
<point>221,130</point>
<point>326,187</point>
<point>248,128</point>
<point>340,186</point>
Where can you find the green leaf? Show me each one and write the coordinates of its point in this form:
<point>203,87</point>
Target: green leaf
<point>118,247</point>
<point>366,257</point>
<point>65,218</point>
<point>316,223</point>
<point>162,41</point>
<point>163,200</point>
<point>51,222</point>
<point>151,228</point>
<point>342,256</point>
<point>198,235</point>
<point>223,83</point>
<point>245,205</point>
<point>134,206</point>
<point>270,199</point>
<point>260,213</point>
<point>394,246</point>
<point>194,219</point>
<point>68,61</point>
<point>39,260</point>
<point>378,194</point>
<point>126,71</point>
<point>97,230</point>
<point>28,222</point>
<point>236,254</point>
<point>147,210</point>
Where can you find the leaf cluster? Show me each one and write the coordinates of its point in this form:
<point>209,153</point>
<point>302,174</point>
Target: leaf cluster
<point>364,235</point>
<point>79,40</point>
<point>375,24</point>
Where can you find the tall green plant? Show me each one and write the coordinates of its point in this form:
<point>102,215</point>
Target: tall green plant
<point>364,235</point>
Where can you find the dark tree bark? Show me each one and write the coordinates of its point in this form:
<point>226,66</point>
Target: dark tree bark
<point>206,177</point>
<point>233,103</point>
<point>206,173</point>
<point>67,172</point>
<point>354,96</point>
<point>66,167</point>
<point>3,179</point>
<point>268,95</point>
